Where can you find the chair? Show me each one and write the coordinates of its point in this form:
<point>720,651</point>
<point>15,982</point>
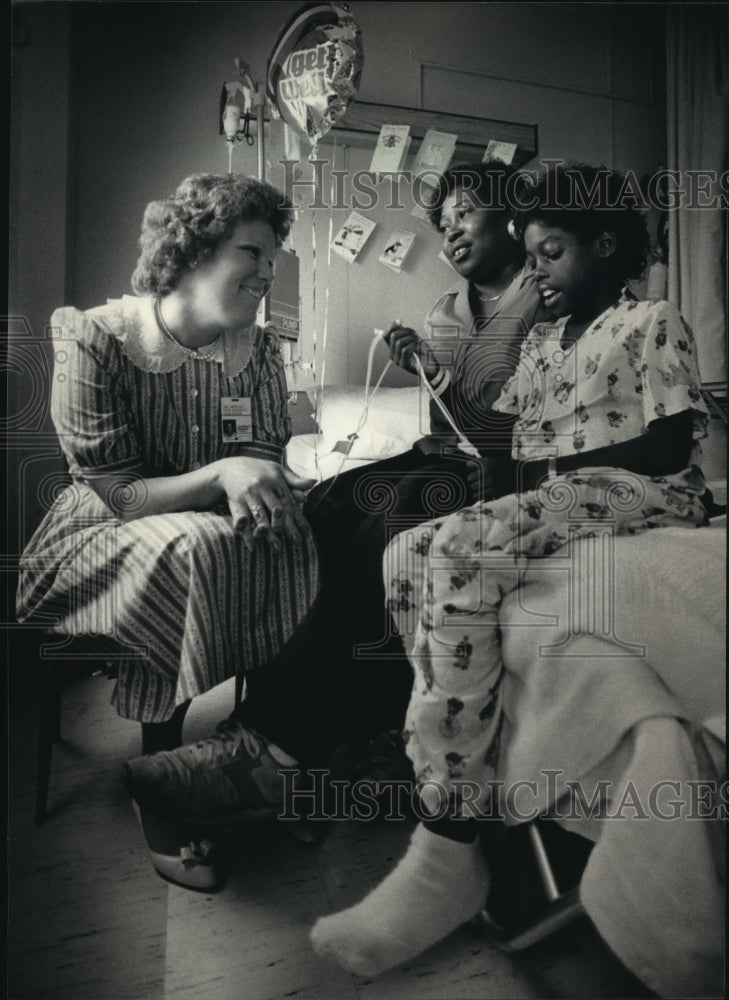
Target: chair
<point>65,651</point>
<point>59,652</point>
<point>552,907</point>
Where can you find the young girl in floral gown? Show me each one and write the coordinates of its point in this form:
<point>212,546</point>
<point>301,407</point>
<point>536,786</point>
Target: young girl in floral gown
<point>608,417</point>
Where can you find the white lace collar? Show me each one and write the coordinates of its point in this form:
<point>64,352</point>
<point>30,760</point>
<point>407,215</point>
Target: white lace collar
<point>131,320</point>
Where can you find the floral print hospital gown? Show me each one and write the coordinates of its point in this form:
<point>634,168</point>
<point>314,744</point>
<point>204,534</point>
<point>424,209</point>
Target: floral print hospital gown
<point>446,579</point>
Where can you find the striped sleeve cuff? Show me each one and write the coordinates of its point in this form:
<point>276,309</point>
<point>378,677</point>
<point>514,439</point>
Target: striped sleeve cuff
<point>263,449</point>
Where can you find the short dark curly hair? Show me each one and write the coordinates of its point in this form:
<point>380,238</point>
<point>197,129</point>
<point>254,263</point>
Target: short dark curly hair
<point>490,183</point>
<point>181,231</point>
<point>587,201</point>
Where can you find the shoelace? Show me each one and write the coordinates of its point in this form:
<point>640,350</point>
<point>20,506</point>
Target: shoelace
<point>229,735</point>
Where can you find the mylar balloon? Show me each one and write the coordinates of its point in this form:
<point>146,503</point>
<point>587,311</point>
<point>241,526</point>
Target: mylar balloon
<point>315,69</point>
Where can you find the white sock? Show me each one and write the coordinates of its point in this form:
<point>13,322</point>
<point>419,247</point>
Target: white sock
<point>438,885</point>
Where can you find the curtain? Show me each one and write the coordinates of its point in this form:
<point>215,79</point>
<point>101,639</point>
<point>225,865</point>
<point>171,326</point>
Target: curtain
<point>698,140</point>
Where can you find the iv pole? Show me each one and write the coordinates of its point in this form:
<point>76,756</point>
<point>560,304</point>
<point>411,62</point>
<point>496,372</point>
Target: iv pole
<point>261,140</point>
<point>243,97</point>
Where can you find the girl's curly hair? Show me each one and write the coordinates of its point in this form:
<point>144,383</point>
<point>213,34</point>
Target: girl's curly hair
<point>181,231</point>
<point>587,201</point>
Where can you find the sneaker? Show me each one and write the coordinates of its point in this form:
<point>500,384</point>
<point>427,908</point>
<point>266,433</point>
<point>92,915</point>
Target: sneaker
<point>232,775</point>
<point>178,855</point>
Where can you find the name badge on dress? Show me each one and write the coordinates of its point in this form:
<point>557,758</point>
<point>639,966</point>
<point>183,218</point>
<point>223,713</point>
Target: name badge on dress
<point>235,416</point>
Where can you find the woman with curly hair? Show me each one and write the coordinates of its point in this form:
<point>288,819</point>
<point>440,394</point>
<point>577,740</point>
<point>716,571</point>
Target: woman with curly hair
<point>181,533</point>
<point>608,416</point>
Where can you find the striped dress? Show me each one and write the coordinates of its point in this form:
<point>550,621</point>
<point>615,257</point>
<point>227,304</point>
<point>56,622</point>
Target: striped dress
<point>179,589</point>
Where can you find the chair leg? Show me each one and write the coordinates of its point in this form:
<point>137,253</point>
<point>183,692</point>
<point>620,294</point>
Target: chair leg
<point>562,907</point>
<point>49,730</point>
<point>56,697</point>
<point>560,912</point>
<point>239,680</point>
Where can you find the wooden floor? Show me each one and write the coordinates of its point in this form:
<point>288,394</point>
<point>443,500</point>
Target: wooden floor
<point>90,920</point>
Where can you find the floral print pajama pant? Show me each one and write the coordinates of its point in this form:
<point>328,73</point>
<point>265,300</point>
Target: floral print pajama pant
<point>445,582</point>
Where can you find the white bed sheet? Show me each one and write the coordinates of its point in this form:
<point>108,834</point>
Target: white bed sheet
<point>595,710</point>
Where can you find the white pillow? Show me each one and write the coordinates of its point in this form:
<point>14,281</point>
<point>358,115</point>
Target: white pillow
<point>304,457</point>
<point>395,419</point>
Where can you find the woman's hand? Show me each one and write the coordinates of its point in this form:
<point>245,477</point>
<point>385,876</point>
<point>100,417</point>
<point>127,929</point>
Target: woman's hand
<point>404,343</point>
<point>263,498</point>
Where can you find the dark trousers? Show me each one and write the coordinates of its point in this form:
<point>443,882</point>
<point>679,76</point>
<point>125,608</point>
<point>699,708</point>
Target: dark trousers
<point>344,672</point>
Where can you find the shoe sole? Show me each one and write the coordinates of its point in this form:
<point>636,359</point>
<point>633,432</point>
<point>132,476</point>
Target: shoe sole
<point>158,858</point>
<point>211,890</point>
<point>302,830</point>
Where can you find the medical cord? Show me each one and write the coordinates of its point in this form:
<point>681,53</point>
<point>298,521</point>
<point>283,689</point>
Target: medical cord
<point>369,396</point>
<point>463,443</point>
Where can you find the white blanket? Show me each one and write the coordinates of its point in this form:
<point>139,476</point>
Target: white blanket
<point>629,699</point>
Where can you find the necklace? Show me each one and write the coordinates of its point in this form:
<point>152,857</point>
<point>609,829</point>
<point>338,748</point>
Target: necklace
<point>493,297</point>
<point>206,353</point>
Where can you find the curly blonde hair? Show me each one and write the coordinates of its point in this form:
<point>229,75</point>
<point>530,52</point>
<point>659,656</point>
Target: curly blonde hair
<point>181,231</point>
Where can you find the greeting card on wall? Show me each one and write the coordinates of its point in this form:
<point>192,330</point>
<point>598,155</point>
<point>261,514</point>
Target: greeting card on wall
<point>435,153</point>
<point>391,150</point>
<point>501,151</point>
<point>397,247</point>
<point>352,236</point>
